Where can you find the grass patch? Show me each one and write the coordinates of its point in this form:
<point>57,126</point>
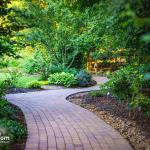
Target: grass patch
<point>24,81</point>
<point>4,76</point>
<point>96,93</point>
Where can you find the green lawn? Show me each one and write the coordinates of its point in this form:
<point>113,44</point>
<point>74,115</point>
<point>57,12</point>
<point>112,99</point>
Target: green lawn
<point>25,80</point>
<point>22,82</point>
<point>4,76</point>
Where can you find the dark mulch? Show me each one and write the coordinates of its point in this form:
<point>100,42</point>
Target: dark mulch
<point>146,91</point>
<point>21,90</point>
<point>132,125</point>
<point>92,83</point>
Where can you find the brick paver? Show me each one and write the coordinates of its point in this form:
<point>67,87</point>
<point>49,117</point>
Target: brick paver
<point>55,124</point>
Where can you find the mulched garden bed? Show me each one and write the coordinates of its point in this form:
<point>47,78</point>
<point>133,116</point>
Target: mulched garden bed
<point>19,117</point>
<point>132,125</point>
<point>21,90</point>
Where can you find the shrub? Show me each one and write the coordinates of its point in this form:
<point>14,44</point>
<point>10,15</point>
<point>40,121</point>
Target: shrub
<point>3,102</point>
<point>6,111</point>
<point>3,87</point>
<point>96,93</point>
<point>2,91</point>
<point>37,62</point>
<point>56,69</point>
<point>13,78</point>
<point>51,69</point>
<point>34,85</point>
<point>23,81</point>
<point>61,68</point>
<point>15,130</point>
<point>42,63</point>
<point>124,83</point>
<point>83,78</point>
<point>65,79</point>
<point>71,70</point>
<point>146,81</point>
<point>141,102</point>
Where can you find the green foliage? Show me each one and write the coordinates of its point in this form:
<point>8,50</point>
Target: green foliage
<point>65,79</point>
<point>141,102</point>
<point>105,28</point>
<point>146,81</point>
<point>4,85</point>
<point>15,130</point>
<point>43,83</point>
<point>124,83</point>
<point>34,85</point>
<point>3,63</point>
<point>14,75</point>
<point>8,25</point>
<point>16,79</point>
<point>57,69</point>
<point>5,47</point>
<point>8,115</point>
<point>3,102</point>
<point>61,68</point>
<point>41,63</point>
<point>146,38</point>
<point>96,93</point>
<point>80,4</point>
<point>6,111</point>
<point>24,80</point>
<point>57,29</point>
<point>10,79</point>
<point>3,76</point>
<point>8,62</point>
<point>101,27</point>
<point>83,78</point>
<point>2,90</point>
<point>38,62</point>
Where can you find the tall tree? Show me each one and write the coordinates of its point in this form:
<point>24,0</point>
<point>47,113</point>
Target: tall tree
<point>5,29</point>
<point>8,25</point>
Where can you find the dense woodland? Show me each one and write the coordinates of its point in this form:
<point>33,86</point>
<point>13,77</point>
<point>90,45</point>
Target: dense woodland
<point>52,38</point>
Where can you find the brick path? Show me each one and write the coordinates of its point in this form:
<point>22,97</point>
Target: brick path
<point>56,124</point>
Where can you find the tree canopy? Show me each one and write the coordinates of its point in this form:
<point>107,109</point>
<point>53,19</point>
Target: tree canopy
<point>68,29</point>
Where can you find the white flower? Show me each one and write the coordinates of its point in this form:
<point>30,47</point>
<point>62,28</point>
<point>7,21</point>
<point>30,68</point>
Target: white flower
<point>108,93</point>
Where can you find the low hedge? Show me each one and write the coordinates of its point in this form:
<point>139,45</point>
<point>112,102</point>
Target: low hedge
<point>65,79</point>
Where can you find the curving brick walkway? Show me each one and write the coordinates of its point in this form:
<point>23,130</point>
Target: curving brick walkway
<point>56,124</point>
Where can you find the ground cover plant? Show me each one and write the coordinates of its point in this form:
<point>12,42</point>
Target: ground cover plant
<point>98,93</point>
<point>9,120</point>
<point>63,78</point>
<point>34,85</point>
